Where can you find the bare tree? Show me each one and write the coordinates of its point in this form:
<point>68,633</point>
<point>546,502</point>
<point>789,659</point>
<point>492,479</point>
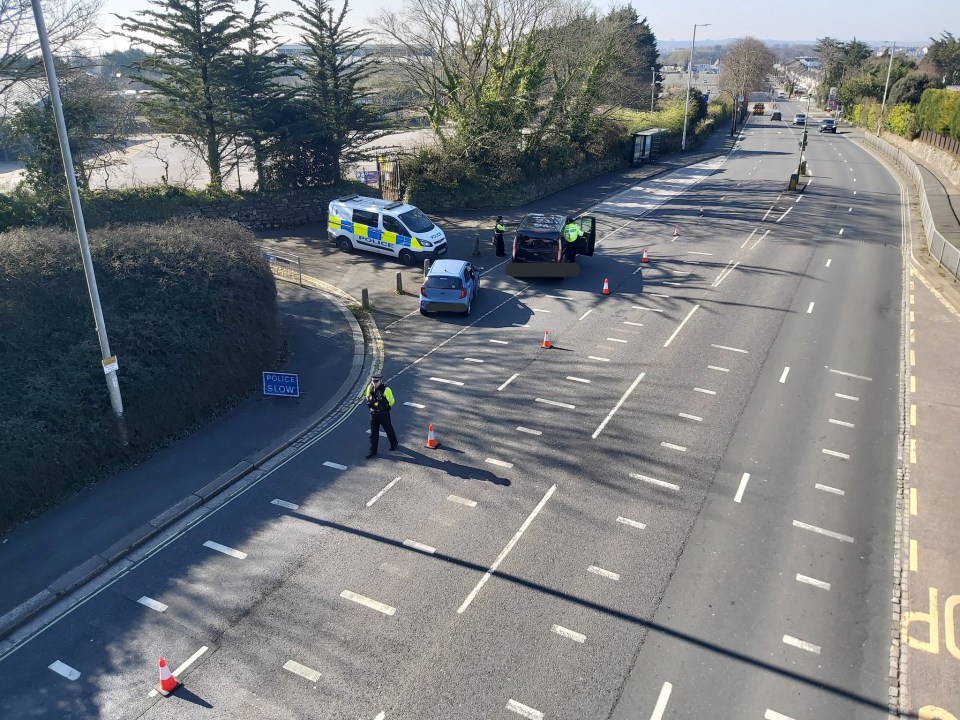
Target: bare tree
<point>744,67</point>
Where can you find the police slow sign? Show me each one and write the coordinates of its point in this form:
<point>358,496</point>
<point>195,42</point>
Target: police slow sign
<point>281,384</point>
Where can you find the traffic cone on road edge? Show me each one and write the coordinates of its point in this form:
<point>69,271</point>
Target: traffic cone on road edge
<point>606,286</point>
<point>546,340</point>
<point>432,441</point>
<point>676,230</point>
<point>168,683</point>
<point>645,258</point>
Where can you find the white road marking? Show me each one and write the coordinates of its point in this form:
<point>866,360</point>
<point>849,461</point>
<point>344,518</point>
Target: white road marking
<point>694,252</point>
<point>783,375</point>
<point>524,710</point>
<point>658,295</point>
<point>473,360</point>
<point>841,231</point>
<point>662,700</point>
<point>723,272</point>
<point>301,670</point>
<point>509,380</point>
<point>462,501</point>
<point>813,581</point>
<point>672,284</point>
<point>521,325</point>
<point>381,433</point>
<point>718,368</point>
<point>829,260</point>
<point>671,446</point>
<point>851,375</point>
<point>743,486</point>
<point>577,379</point>
<point>506,550</point>
<point>539,310</point>
<point>732,349</point>
<point>225,550</point>
<point>635,324</point>
<point>774,715</point>
<point>415,405</point>
<point>828,533</point>
<point>381,716</point>
<point>419,546</point>
<point>631,523</point>
<point>183,668</point>
<point>691,417</point>
<point>61,668</point>
<point>594,357</point>
<point>284,504</point>
<point>152,604</point>
<point>568,406</point>
<point>568,633</point>
<point>335,466</point>
<point>846,397</point>
<point>372,604</point>
<point>644,307</point>
<point>802,644</point>
<point>447,382</point>
<point>499,463</point>
<point>603,573</point>
<point>841,422</point>
<point>616,407</point>
<point>827,488</point>
<point>616,340</point>
<point>785,214</point>
<point>850,209</point>
<point>585,314</point>
<point>500,342</point>
<point>380,494</point>
<point>765,215</point>
<point>521,428</point>
<point>834,453</point>
<point>557,297</point>
<point>705,391</point>
<point>680,326</point>
<point>654,481</point>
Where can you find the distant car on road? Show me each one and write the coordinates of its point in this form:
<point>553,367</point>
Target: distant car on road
<point>775,115</point>
<point>828,125</point>
<point>450,286</point>
<point>800,119</point>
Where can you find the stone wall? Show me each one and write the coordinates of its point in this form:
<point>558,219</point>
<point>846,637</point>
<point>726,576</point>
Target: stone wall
<point>946,163</point>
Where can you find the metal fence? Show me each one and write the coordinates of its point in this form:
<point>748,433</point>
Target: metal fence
<point>945,253</point>
<point>284,265</point>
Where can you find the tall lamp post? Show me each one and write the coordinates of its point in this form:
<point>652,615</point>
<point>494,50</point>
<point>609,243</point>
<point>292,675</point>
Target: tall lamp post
<point>886,86</point>
<point>686,105</point>
<point>653,86</point>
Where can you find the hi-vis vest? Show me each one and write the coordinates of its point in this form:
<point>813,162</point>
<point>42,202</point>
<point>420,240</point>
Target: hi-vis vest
<point>571,232</point>
<point>381,399</point>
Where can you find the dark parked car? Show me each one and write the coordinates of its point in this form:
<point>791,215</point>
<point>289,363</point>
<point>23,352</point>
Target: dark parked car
<point>538,246</point>
<point>828,125</point>
<point>775,115</point>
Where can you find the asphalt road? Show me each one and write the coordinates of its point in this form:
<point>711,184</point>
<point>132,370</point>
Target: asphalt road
<point>584,544</point>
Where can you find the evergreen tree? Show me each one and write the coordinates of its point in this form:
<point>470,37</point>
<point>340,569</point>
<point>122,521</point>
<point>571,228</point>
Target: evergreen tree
<point>945,55</point>
<point>639,54</point>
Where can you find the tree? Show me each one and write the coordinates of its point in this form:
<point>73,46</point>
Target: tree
<point>189,69</point>
<point>639,55</point>
<point>910,87</point>
<point>744,68</point>
<point>945,56</point>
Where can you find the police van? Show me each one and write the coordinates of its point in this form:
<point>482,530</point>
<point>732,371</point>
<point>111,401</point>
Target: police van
<point>388,228</point>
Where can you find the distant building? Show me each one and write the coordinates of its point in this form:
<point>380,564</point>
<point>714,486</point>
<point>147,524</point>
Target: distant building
<point>810,63</point>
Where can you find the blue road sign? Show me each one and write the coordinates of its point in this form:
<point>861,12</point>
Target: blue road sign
<point>281,384</point>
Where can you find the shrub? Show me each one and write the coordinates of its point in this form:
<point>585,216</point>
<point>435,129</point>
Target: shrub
<point>901,120</point>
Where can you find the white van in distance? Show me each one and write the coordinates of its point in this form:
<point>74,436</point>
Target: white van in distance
<point>389,228</point>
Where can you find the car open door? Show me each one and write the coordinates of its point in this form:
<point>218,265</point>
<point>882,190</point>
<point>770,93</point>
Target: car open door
<point>588,226</point>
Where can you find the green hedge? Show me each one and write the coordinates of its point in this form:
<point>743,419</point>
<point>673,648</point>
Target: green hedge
<point>190,308</point>
<point>939,112</point>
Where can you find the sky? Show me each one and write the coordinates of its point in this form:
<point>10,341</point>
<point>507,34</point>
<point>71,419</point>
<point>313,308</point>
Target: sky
<point>867,20</point>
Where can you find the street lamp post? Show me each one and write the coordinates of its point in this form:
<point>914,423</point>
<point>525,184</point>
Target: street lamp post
<point>886,86</point>
<point>686,105</point>
<point>653,86</point>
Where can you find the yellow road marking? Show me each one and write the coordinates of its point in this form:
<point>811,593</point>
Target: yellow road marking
<point>913,415</point>
<point>913,384</point>
<point>913,501</point>
<point>911,286</point>
<point>912,298</point>
<point>913,336</point>
<point>913,556</point>
<point>913,358</point>
<point>911,316</point>
<point>932,712</point>
<point>913,451</point>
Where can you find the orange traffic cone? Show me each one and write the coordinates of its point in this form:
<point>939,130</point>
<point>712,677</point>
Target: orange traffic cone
<point>676,230</point>
<point>646,257</point>
<point>546,340</point>
<point>606,286</point>
<point>432,441</point>
<point>168,683</point>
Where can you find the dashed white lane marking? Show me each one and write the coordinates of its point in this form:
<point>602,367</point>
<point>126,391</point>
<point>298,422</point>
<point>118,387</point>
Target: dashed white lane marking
<point>183,668</point>
<point>419,546</point>
<point>743,486</point>
<point>585,314</point>
<point>846,397</point>
<point>850,375</point>
<point>499,463</point>
<point>727,347</point>
<point>785,214</point>
<point>380,494</point>
<point>301,670</point>
<point>500,342</point>
<point>528,431</point>
<point>462,501</point>
<point>616,340</point>
<point>680,326</point>
<point>601,359</point>
<point>61,668</point>
<point>849,209</point>
<point>725,273</point>
<point>661,707</point>
<point>225,550</point>
<point>473,360</point>
<point>672,284</point>
<point>372,604</point>
<point>524,710</point>
<point>658,295</point>
<point>506,550</point>
<point>671,446</point>
<point>765,216</point>
<point>539,310</point>
<point>834,453</point>
<point>415,405</point>
<point>654,481</point>
<point>335,466</point>
<point>813,581</point>
<point>520,325</point>
<point>694,252</point>
<point>810,307</point>
<point>603,573</point>
<point>821,531</point>
<point>152,604</point>
<point>623,398</point>
<point>783,375</point>
<point>829,260</point>
<point>827,488</point>
<point>691,417</point>
<point>284,504</point>
<point>718,368</point>
<point>774,715</point>
<point>842,423</point>
<point>841,231</point>
<point>381,433</point>
<point>750,237</point>
<point>802,644</point>
<point>568,633</point>
<point>381,716</point>
<point>705,391</point>
<point>644,307</point>
<point>509,380</point>
<point>577,379</point>
<point>634,324</point>
<point>568,406</point>
<point>446,382</point>
<point>631,523</point>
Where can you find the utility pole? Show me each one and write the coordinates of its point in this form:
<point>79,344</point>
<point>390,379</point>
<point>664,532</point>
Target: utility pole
<point>653,86</point>
<point>886,86</point>
<point>686,105</point>
<point>109,362</point>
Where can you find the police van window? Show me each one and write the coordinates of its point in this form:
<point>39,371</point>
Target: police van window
<point>391,224</point>
<point>416,221</point>
<point>365,217</point>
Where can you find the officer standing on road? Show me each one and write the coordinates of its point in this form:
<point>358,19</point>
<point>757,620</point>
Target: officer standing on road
<point>498,236</point>
<point>380,400</point>
<point>571,233</point>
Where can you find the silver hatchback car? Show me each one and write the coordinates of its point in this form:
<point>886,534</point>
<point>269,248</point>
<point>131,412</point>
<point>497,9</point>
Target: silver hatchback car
<point>450,286</point>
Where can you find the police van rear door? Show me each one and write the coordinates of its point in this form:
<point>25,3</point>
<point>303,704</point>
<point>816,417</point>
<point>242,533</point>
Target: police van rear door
<point>586,243</point>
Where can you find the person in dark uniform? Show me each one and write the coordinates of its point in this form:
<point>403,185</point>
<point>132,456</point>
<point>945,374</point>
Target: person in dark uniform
<point>380,400</point>
<point>498,236</point>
